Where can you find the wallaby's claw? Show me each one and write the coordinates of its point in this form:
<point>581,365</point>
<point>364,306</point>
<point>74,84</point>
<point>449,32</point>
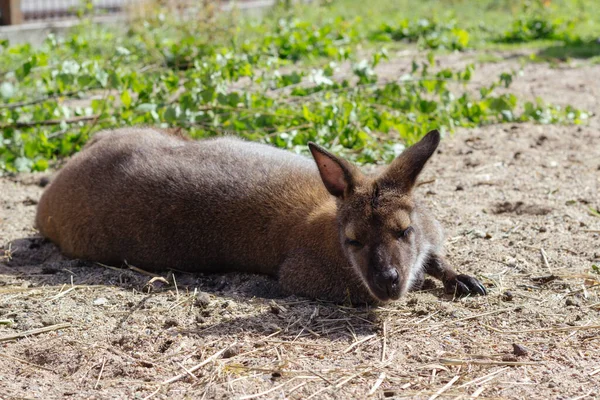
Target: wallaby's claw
<point>464,285</point>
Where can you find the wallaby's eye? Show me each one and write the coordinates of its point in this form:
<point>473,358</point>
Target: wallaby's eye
<point>354,243</point>
<point>404,233</point>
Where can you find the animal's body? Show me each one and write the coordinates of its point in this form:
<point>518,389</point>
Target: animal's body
<point>324,229</point>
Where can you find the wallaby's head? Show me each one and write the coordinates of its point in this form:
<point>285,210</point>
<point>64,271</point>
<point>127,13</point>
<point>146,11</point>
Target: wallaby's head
<point>377,226</point>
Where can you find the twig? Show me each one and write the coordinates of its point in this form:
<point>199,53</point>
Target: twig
<point>25,362</point>
<point>582,396</point>
<point>545,259</point>
<point>470,317</point>
<point>377,383</point>
<point>6,322</point>
<point>141,271</point>
<point>100,374</point>
<point>353,345</point>
<point>253,396</point>
<point>449,361</point>
<point>477,392</point>
<point>557,329</point>
<point>443,389</point>
<point>74,120</point>
<point>61,294</point>
<point>384,345</point>
<point>196,367</point>
<point>11,106</point>
<point>348,379</point>
<point>482,378</point>
<point>35,332</point>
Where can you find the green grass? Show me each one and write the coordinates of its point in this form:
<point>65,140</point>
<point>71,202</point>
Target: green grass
<point>272,80</point>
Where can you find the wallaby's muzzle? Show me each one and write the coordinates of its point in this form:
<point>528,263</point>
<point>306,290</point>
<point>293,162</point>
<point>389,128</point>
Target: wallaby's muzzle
<point>386,284</point>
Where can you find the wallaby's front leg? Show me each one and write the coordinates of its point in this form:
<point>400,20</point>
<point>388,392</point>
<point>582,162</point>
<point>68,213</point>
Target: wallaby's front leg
<point>457,284</point>
<point>306,275</point>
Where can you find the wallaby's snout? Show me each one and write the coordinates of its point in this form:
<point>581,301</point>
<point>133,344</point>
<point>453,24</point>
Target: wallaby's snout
<point>387,283</point>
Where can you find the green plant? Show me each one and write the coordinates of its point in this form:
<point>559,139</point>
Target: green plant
<point>236,78</point>
<point>428,33</point>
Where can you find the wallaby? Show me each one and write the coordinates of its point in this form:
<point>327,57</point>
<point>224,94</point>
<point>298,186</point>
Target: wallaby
<point>324,228</point>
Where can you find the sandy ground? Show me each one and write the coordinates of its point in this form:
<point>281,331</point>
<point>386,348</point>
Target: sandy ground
<point>516,202</point>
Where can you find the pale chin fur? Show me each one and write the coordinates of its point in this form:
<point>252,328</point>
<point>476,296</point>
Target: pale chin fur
<point>417,266</point>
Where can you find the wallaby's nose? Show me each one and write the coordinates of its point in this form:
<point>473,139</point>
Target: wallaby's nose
<point>389,280</point>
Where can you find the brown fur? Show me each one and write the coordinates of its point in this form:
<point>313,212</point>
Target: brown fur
<point>223,204</point>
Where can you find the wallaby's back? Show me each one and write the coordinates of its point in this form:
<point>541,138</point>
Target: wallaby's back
<point>156,200</point>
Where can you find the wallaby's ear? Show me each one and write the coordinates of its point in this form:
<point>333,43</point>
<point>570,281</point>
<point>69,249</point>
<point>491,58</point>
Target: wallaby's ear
<point>404,170</point>
<point>338,175</point>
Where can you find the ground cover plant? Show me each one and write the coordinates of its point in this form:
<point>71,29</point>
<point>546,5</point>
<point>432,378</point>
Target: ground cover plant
<point>515,184</point>
<point>232,76</point>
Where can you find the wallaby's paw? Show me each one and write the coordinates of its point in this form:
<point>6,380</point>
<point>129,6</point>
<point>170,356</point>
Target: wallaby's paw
<point>464,285</point>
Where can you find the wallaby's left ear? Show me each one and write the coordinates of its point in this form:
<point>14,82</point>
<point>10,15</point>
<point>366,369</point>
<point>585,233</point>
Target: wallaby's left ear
<point>404,170</point>
<point>337,174</point>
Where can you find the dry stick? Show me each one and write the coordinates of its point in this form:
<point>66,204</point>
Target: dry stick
<point>450,361</point>
<point>61,294</point>
<point>6,322</point>
<point>35,332</point>
<point>292,390</point>
<point>477,392</point>
<point>545,259</point>
<point>152,394</point>
<point>483,378</point>
<point>377,383</point>
<point>472,317</point>
<point>141,271</point>
<point>348,379</point>
<point>318,392</point>
<point>253,396</point>
<point>196,367</point>
<point>74,120</point>
<point>594,372</point>
<point>315,373</point>
<point>353,345</point>
<point>100,374</point>
<point>582,396</point>
<point>188,371</point>
<point>557,329</point>
<point>443,389</point>
<point>384,345</point>
<point>2,355</point>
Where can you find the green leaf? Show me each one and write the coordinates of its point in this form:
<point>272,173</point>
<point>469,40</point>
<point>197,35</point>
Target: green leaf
<point>126,98</point>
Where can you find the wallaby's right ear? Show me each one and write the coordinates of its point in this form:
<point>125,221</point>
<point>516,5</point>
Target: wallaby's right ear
<point>338,175</point>
<point>404,170</point>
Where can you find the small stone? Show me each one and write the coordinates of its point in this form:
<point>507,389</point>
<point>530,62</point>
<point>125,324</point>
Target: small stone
<point>459,188</point>
<point>479,234</point>
<point>232,351</point>
<point>542,229</point>
<point>202,299</point>
<point>507,296</point>
<point>170,323</point>
<point>389,393</point>
<point>100,301</point>
<point>551,385</point>
<point>44,181</point>
<point>519,350</point>
<point>571,302</point>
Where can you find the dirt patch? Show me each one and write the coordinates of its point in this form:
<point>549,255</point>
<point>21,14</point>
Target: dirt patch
<point>518,213</point>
